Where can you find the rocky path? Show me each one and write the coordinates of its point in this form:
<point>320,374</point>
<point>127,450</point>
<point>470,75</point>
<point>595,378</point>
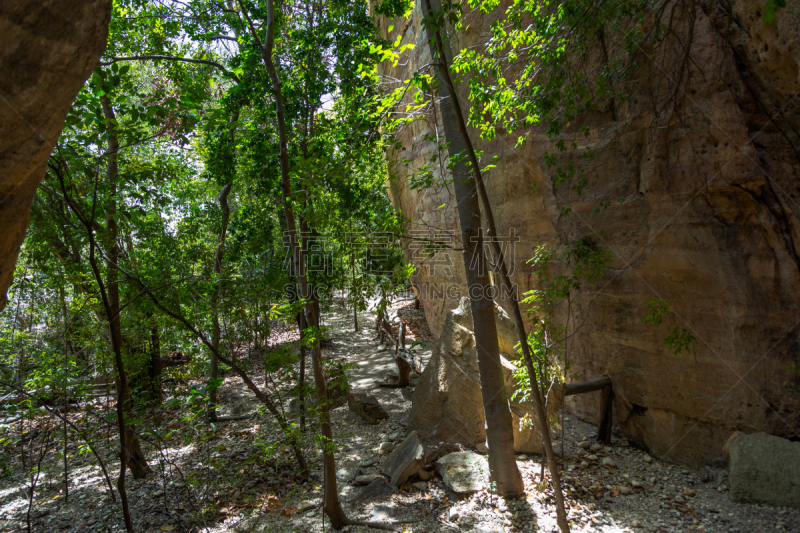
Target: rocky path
<point>617,488</point>
<point>609,489</point>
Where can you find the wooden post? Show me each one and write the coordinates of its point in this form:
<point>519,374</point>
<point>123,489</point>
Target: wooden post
<point>402,337</point>
<point>606,421</point>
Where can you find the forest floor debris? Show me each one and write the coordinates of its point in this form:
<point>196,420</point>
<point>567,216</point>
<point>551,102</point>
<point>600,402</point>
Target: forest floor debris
<point>241,480</point>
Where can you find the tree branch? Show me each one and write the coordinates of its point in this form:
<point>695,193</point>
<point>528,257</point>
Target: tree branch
<point>171,58</point>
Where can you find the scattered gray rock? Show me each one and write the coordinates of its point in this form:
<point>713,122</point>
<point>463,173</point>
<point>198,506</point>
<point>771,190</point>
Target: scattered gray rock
<point>625,491</point>
<point>366,479</point>
<point>707,475</point>
<point>464,471</point>
<point>367,407</point>
<point>763,469</point>
<point>420,485</point>
<point>384,512</point>
<point>386,447</point>
<point>405,460</point>
<point>453,514</point>
<point>608,461</point>
<point>433,453</point>
<point>378,490</point>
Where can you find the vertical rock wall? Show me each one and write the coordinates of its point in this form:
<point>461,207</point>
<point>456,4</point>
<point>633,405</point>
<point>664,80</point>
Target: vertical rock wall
<point>47,50</point>
<point>700,165</point>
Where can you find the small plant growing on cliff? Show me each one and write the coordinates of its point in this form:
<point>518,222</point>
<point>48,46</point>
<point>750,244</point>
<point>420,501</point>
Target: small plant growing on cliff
<point>796,371</point>
<point>680,338</point>
<point>562,272</point>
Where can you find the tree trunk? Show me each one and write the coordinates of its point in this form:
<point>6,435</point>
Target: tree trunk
<point>461,132</point>
<point>133,452</point>
<point>112,313</point>
<point>301,382</point>
<point>218,256</point>
<point>154,368</point>
<point>353,287</point>
<point>215,328</point>
<point>499,431</point>
<point>331,504</point>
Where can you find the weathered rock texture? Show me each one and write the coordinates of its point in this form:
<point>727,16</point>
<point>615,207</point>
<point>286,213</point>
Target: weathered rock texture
<point>47,50</point>
<point>700,165</point>
<point>367,407</point>
<point>464,471</point>
<point>764,469</point>
<point>405,461</point>
<point>447,405</point>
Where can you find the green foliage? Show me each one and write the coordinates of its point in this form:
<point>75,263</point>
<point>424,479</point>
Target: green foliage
<point>562,273</point>
<point>771,8</point>
<point>186,130</point>
<point>280,358</point>
<point>394,8</point>
<point>533,72</point>
<point>793,369</point>
<point>680,338</point>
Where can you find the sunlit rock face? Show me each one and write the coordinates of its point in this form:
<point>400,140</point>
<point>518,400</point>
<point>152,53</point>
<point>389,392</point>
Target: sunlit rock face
<point>703,203</point>
<point>47,50</point>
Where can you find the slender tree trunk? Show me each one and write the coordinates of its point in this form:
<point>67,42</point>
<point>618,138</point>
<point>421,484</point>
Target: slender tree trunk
<point>331,504</point>
<point>154,370</point>
<point>66,393</point>
<point>301,382</point>
<point>133,453</point>
<point>218,256</point>
<point>111,304</point>
<point>215,328</point>
<point>461,132</point>
<point>353,270</point>
<point>499,430</point>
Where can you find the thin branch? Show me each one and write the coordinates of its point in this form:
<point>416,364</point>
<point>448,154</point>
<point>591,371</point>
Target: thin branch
<point>171,58</point>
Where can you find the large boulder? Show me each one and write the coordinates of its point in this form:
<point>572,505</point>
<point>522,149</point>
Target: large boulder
<point>47,50</point>
<point>764,469</point>
<point>447,404</point>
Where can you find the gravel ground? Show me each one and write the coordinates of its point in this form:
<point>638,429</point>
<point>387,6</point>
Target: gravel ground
<point>618,488</point>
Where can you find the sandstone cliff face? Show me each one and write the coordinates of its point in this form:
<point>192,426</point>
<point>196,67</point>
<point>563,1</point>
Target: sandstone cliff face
<point>47,50</point>
<point>703,189</point>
